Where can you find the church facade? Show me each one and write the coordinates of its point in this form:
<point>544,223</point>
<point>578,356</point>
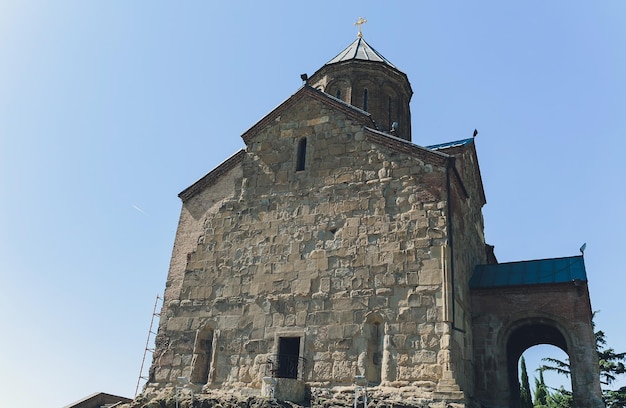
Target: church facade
<point>333,253</point>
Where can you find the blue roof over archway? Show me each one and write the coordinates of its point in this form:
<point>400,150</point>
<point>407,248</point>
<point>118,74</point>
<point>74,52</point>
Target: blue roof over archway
<point>537,272</point>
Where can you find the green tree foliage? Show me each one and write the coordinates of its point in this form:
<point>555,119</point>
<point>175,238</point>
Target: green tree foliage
<point>561,398</point>
<point>611,366</point>
<point>558,366</point>
<point>611,363</point>
<point>524,391</point>
<point>541,392</point>
<point>615,399</point>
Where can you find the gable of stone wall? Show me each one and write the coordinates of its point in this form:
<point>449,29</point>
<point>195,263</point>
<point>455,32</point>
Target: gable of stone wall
<point>315,252</point>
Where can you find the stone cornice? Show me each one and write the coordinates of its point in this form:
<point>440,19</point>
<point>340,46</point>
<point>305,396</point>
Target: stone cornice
<point>423,153</point>
<point>364,65</point>
<point>404,146</point>
<point>460,149</point>
<point>211,177</point>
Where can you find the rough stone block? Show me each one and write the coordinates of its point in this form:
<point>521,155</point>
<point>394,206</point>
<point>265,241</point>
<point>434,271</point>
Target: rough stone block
<point>430,277</point>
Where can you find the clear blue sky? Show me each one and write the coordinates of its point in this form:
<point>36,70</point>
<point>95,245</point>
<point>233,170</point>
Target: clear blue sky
<point>108,109</point>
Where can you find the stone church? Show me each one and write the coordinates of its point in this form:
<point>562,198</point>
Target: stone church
<point>333,256</point>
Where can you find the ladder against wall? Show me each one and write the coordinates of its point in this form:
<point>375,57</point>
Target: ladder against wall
<point>149,340</point>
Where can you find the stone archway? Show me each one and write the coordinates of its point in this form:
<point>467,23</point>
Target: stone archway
<point>524,335</point>
<point>510,319</point>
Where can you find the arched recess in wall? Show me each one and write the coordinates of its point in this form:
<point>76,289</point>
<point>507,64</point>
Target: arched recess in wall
<point>524,335</point>
<point>203,356</point>
<point>340,89</point>
<point>374,333</point>
<point>364,93</point>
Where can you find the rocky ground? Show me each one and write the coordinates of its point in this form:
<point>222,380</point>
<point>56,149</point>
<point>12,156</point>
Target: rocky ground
<point>218,399</point>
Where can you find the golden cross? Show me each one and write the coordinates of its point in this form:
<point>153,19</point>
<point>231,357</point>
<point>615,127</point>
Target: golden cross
<point>360,23</point>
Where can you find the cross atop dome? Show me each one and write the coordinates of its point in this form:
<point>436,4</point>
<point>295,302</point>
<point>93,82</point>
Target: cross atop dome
<point>360,23</point>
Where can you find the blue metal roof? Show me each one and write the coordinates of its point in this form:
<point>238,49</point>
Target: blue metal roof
<point>451,144</point>
<point>537,272</point>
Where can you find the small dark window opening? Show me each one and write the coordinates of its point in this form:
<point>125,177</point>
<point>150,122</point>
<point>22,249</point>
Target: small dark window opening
<point>365,99</point>
<point>338,94</point>
<point>288,357</point>
<point>301,154</point>
<point>389,103</point>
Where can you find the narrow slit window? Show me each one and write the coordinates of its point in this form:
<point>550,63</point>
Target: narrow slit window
<point>301,154</point>
<point>338,94</point>
<point>376,338</point>
<point>365,99</point>
<point>389,103</point>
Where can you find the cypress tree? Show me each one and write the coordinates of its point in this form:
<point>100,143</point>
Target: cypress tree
<point>541,391</point>
<point>526,400</point>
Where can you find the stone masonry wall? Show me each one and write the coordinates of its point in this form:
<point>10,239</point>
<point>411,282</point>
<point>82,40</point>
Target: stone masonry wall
<point>190,227</point>
<point>468,250</point>
<point>321,254</point>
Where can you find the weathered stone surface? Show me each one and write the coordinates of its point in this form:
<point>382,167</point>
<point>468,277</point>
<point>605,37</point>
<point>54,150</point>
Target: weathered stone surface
<point>329,252</point>
<point>347,244</point>
<point>319,398</point>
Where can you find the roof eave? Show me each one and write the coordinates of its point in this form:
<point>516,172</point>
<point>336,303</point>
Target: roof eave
<point>462,145</point>
<point>404,146</point>
<point>352,61</point>
<point>211,177</point>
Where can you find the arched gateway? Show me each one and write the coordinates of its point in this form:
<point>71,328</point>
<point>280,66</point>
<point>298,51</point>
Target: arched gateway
<point>519,305</point>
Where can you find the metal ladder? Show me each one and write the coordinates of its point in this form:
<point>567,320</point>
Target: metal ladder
<point>148,349</point>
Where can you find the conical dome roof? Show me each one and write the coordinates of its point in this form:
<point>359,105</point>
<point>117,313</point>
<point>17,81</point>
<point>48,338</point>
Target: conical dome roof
<point>360,50</point>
